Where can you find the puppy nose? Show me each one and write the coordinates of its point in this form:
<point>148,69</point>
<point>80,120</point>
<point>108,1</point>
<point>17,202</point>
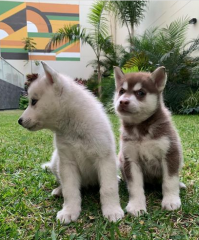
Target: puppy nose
<point>124,102</point>
<point>20,121</point>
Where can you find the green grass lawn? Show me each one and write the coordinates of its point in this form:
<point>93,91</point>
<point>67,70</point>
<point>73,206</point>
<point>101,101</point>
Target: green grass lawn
<point>28,211</point>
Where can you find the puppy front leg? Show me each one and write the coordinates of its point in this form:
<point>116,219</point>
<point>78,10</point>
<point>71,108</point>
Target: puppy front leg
<point>135,183</point>
<point>109,195</point>
<point>53,166</point>
<point>70,182</point>
<point>170,190</point>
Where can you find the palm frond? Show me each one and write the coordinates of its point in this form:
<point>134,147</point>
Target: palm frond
<point>130,12</point>
<point>191,46</point>
<point>69,33</point>
<point>97,18</point>
<point>173,36</point>
<point>140,60</point>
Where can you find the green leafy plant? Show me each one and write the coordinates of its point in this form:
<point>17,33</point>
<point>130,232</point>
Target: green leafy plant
<point>130,70</point>
<point>30,46</point>
<point>97,37</point>
<point>23,102</point>
<point>128,13</point>
<point>167,47</point>
<point>191,104</point>
<point>175,94</point>
<point>112,55</point>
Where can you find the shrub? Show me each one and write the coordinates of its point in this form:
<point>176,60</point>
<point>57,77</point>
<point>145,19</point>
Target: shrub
<point>191,104</point>
<point>131,69</point>
<point>107,85</point>
<point>23,102</point>
<point>168,47</point>
<point>174,95</point>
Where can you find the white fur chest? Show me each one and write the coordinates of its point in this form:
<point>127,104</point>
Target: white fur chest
<point>147,152</point>
<point>82,156</point>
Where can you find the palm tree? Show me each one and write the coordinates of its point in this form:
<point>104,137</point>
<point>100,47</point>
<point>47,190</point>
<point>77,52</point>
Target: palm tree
<point>129,13</point>
<point>97,37</point>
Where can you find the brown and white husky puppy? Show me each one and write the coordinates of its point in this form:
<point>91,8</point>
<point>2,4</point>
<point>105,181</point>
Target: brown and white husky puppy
<point>150,147</point>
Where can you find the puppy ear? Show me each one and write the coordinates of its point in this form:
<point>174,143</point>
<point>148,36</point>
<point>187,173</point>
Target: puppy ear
<point>119,75</point>
<point>159,77</point>
<point>51,74</point>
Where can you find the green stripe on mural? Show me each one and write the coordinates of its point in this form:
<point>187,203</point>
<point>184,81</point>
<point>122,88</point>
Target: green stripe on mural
<point>14,50</point>
<point>67,59</point>
<point>6,6</point>
<point>63,46</point>
<point>41,35</point>
<point>63,18</point>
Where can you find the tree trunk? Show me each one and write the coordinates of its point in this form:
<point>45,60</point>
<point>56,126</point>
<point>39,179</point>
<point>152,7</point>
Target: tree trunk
<point>132,30</point>
<point>132,34</point>
<point>99,81</point>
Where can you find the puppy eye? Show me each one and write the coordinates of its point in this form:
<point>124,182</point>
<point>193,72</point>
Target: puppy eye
<point>122,91</point>
<point>33,102</point>
<point>140,93</point>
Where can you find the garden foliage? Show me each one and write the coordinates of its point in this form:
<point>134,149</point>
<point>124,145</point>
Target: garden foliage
<point>23,102</point>
<point>156,47</point>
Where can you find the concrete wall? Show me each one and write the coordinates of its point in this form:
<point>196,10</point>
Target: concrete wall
<point>9,95</point>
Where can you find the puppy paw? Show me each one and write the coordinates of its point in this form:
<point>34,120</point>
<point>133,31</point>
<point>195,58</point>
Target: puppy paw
<point>65,216</point>
<point>182,185</point>
<point>118,178</point>
<point>171,203</point>
<point>57,192</point>
<point>46,165</point>
<point>136,207</point>
<point>113,213</point>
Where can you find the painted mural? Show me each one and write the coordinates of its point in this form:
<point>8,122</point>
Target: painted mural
<point>39,21</point>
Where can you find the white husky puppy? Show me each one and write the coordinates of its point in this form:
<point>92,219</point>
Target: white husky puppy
<point>150,148</point>
<point>84,143</point>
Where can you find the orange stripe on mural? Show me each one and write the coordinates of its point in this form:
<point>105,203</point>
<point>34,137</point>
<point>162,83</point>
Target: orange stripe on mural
<point>6,28</point>
<point>56,25</point>
<point>37,20</point>
<point>55,8</point>
<point>42,57</point>
<point>73,48</point>
<point>12,43</point>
